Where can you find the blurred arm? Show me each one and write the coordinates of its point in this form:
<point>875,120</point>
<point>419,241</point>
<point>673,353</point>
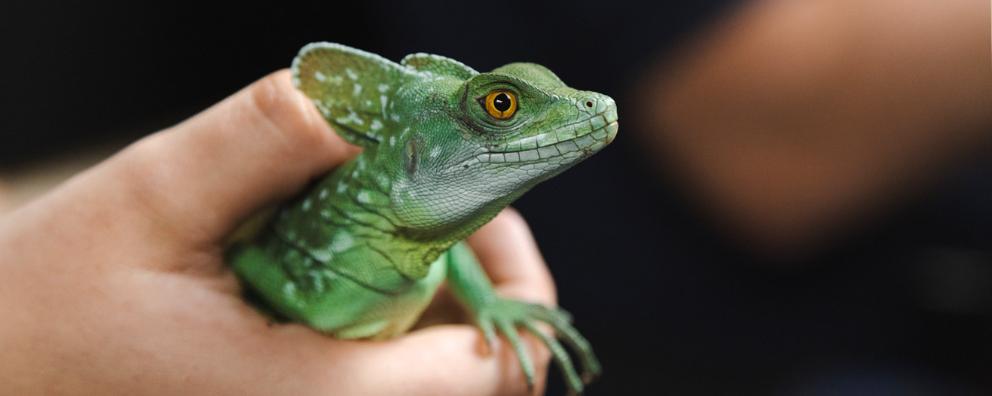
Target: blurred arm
<point>793,117</point>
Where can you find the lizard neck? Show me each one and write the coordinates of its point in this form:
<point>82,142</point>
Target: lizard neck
<point>363,196</point>
<point>359,193</point>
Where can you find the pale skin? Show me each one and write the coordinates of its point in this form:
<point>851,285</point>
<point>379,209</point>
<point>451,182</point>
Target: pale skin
<point>114,283</point>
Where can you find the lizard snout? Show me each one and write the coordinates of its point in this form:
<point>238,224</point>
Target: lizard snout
<point>594,103</point>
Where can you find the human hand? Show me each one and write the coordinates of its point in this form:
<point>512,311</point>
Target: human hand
<point>114,281</point>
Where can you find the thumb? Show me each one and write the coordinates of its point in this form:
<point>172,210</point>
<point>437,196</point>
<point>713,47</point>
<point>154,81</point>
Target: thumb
<point>195,182</point>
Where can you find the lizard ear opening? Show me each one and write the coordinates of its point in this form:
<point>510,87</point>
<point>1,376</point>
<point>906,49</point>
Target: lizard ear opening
<point>411,156</point>
<point>352,89</point>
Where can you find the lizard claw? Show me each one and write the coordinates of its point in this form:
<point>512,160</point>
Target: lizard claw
<point>488,333</point>
<point>508,315</point>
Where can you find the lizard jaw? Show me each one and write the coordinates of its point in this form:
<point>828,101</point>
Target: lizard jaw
<point>573,141</point>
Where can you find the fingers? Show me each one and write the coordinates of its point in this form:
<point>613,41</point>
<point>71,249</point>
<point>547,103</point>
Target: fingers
<point>510,256</point>
<point>441,360</point>
<point>205,175</point>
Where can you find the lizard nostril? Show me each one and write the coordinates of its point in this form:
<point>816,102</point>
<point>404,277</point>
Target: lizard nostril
<point>589,104</point>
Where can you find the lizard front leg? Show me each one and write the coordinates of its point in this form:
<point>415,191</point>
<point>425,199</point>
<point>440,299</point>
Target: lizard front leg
<point>492,313</point>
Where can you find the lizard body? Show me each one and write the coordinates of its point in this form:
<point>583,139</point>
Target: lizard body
<point>445,148</point>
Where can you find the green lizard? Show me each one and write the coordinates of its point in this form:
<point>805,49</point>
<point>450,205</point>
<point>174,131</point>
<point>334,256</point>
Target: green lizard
<point>445,148</point>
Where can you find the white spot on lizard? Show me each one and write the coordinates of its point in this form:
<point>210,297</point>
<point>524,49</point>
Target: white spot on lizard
<point>376,124</point>
<point>289,289</point>
<point>351,118</point>
<point>351,73</point>
<point>342,241</point>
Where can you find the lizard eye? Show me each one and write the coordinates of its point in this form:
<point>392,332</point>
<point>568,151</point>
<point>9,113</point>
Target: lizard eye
<point>501,104</point>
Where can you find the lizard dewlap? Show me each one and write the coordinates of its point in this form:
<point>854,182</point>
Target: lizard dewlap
<point>445,148</point>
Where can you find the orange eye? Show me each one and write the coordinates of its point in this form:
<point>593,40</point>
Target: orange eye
<point>501,104</point>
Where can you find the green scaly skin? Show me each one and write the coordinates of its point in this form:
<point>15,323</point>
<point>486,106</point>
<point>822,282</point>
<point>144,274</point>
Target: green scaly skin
<point>361,254</point>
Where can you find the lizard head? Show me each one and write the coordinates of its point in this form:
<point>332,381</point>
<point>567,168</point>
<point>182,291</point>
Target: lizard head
<point>503,132</point>
<point>526,121</point>
<point>454,146</point>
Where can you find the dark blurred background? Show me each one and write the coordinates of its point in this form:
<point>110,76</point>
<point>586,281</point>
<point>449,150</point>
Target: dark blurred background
<point>675,301</point>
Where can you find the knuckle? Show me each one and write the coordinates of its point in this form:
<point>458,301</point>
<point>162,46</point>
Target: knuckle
<point>513,218</point>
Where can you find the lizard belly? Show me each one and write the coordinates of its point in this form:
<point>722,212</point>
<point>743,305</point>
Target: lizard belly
<point>308,291</point>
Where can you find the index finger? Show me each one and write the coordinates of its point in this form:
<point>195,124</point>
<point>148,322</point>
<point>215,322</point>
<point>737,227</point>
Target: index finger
<point>509,255</point>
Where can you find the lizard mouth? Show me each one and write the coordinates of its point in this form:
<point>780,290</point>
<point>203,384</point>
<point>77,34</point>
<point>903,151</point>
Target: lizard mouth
<point>579,139</point>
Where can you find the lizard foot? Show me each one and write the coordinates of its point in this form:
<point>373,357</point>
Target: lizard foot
<point>507,315</point>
